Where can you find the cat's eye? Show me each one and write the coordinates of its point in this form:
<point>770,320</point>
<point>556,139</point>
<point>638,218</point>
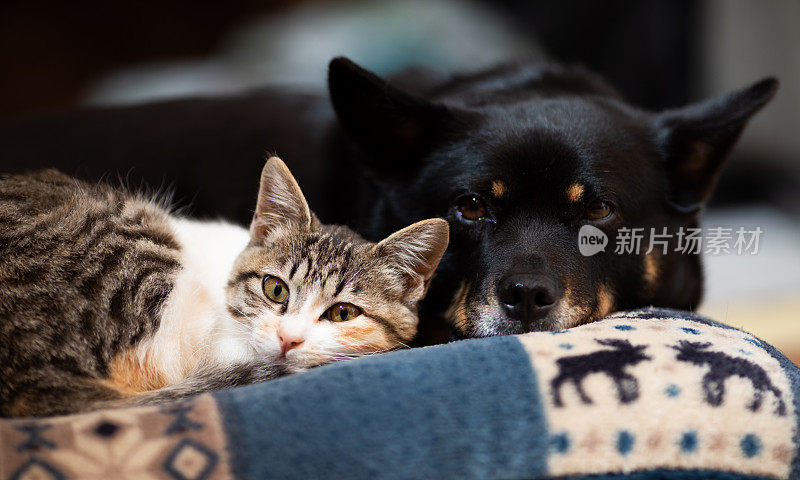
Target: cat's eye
<point>599,210</point>
<point>342,312</point>
<point>275,289</point>
<point>472,207</point>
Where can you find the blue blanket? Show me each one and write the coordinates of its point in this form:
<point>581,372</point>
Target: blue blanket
<point>643,394</point>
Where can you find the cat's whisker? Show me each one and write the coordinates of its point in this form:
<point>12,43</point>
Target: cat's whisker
<point>239,333</point>
<point>372,350</point>
<point>354,354</point>
<point>242,313</point>
<point>197,351</point>
<point>242,324</point>
<point>233,333</point>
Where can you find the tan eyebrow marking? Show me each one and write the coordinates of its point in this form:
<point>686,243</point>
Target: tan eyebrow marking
<point>575,192</point>
<point>498,188</point>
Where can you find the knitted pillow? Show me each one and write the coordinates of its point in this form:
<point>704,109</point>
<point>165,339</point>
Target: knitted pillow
<point>648,393</point>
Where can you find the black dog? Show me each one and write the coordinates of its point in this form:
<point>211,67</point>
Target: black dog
<point>518,159</point>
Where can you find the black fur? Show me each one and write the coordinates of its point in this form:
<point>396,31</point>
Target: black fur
<point>537,129</point>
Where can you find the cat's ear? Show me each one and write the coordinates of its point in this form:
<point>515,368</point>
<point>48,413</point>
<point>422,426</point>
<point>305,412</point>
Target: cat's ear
<point>396,127</point>
<point>281,203</point>
<point>414,252</point>
<point>695,141</point>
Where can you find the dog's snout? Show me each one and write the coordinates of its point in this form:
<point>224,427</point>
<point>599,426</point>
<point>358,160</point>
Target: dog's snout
<point>528,297</point>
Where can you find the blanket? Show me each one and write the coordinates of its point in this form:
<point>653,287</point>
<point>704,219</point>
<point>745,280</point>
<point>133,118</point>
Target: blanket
<point>649,393</point>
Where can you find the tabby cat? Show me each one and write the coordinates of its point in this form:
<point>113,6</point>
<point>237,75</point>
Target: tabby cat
<point>108,299</point>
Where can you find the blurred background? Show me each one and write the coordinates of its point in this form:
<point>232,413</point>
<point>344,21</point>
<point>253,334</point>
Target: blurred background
<point>59,55</point>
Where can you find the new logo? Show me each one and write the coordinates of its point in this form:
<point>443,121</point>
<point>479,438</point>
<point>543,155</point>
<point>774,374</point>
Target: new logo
<point>591,240</point>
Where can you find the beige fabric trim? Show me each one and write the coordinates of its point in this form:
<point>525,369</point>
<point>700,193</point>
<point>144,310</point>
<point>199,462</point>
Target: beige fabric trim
<point>671,404</point>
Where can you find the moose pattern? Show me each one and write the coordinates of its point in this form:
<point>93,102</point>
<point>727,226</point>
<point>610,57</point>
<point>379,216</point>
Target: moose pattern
<point>724,366</point>
<point>610,362</point>
<point>662,389</point>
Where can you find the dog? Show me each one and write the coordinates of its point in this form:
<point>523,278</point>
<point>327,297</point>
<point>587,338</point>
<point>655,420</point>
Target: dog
<point>518,159</point>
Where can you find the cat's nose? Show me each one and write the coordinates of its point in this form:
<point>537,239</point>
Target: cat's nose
<point>289,340</point>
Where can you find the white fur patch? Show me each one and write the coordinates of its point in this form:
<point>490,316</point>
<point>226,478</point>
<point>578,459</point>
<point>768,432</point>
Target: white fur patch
<point>195,316</point>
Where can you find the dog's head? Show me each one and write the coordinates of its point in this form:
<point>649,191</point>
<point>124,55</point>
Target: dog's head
<point>518,159</point>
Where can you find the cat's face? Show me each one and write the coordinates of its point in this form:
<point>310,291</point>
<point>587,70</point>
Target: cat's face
<point>305,294</point>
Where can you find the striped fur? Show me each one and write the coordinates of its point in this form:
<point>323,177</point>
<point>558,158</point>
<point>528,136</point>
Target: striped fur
<point>108,299</point>
<point>84,271</point>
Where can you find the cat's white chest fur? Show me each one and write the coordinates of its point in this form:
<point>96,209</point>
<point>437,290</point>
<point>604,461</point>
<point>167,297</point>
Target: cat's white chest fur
<point>194,324</point>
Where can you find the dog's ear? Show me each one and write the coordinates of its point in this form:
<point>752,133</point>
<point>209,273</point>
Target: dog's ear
<point>695,140</point>
<point>394,126</point>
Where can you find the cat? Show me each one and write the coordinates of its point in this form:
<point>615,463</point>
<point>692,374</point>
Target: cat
<point>108,299</point>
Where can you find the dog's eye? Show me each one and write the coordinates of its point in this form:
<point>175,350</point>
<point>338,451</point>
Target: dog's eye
<point>472,207</point>
<point>275,289</point>
<point>599,210</point>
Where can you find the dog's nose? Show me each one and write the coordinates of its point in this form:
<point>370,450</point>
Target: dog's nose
<point>528,297</point>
